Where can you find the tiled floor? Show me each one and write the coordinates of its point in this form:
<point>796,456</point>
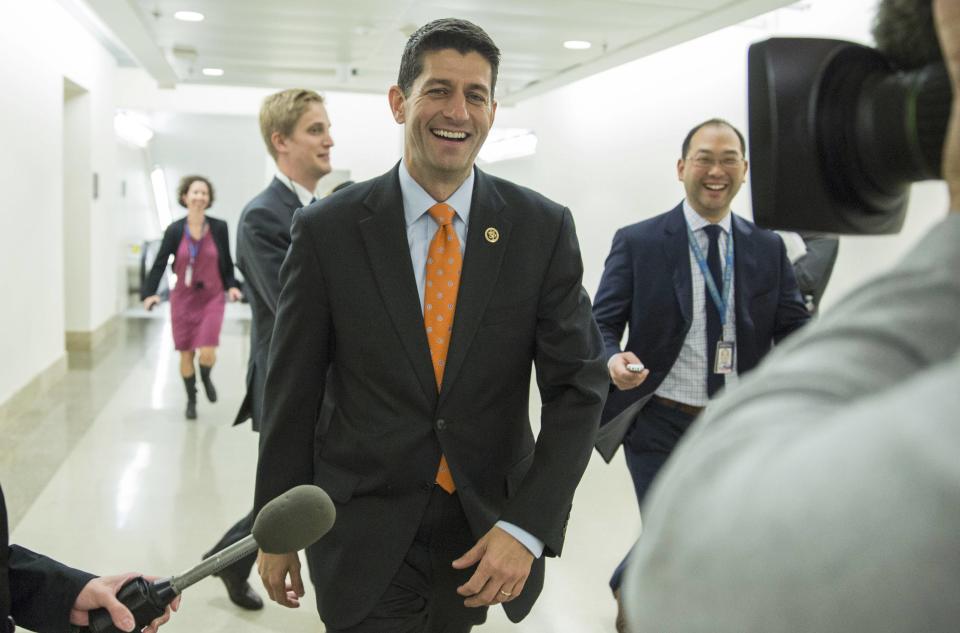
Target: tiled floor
<point>104,473</point>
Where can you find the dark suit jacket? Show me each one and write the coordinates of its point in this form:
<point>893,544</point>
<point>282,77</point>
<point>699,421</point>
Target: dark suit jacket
<point>37,591</point>
<point>263,237</point>
<point>350,302</point>
<point>647,285</point>
<point>171,241</point>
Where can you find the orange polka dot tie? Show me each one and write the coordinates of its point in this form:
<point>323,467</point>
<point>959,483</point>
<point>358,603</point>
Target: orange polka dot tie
<point>440,301</point>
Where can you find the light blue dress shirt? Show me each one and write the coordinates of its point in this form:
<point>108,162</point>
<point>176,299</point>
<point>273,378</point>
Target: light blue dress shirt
<point>420,231</point>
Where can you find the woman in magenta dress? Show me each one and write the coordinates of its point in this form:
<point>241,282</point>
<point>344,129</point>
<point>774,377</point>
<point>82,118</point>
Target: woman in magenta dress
<point>204,269</point>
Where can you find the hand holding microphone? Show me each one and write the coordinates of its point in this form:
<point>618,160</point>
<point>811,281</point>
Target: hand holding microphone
<point>288,523</point>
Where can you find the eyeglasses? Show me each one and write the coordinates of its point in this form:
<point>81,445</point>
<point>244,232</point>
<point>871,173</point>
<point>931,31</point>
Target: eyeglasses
<point>707,162</point>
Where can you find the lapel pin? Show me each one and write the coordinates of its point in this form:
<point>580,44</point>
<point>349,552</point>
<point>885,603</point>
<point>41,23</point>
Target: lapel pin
<point>492,235</point>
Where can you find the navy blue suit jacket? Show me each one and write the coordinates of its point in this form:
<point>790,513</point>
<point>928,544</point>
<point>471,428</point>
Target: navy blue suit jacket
<point>647,285</point>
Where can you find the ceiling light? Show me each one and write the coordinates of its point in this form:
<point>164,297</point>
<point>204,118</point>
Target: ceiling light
<point>132,128</point>
<point>188,16</point>
<point>577,45</point>
<point>212,72</point>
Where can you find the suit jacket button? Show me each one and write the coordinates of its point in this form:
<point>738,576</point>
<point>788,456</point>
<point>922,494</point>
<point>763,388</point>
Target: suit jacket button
<point>441,424</point>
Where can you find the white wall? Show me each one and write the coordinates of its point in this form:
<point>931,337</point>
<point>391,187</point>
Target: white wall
<point>41,45</point>
<point>609,143</point>
<point>214,131</point>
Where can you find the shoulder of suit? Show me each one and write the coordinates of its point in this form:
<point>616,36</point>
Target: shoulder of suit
<point>523,198</point>
<point>652,226</point>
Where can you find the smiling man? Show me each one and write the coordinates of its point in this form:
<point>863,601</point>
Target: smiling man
<point>705,294</point>
<point>428,294</point>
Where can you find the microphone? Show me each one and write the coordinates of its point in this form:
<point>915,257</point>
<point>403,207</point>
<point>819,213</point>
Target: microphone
<point>288,523</point>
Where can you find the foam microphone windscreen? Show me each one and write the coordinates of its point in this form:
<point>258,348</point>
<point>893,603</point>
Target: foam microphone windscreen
<point>294,520</point>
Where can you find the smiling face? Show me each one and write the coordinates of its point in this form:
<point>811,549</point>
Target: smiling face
<point>712,171</point>
<point>446,117</point>
<point>197,197</point>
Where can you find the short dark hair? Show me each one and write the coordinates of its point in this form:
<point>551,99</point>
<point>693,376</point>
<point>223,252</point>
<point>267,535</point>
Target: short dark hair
<point>905,33</point>
<point>460,35</point>
<point>184,187</point>
<point>714,123</point>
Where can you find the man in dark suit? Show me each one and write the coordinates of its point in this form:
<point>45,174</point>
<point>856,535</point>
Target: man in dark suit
<point>44,595</point>
<point>296,131</point>
<point>429,293</point>
<point>705,294</point>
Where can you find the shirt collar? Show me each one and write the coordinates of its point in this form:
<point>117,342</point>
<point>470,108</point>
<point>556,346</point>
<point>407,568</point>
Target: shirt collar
<point>303,194</point>
<point>696,221</point>
<point>416,200</point>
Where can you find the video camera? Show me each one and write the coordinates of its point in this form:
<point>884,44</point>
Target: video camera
<point>838,134</point>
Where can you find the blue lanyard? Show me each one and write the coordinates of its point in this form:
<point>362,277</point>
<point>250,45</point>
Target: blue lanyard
<point>720,302</point>
<point>193,246</point>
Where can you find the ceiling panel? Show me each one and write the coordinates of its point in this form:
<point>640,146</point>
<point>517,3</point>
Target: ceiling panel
<point>356,45</point>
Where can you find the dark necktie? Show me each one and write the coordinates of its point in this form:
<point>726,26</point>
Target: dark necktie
<point>715,381</point>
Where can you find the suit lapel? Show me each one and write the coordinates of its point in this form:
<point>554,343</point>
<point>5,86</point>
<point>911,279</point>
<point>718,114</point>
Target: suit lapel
<point>744,266</point>
<point>285,195</point>
<point>481,268</point>
<point>676,249</point>
<point>385,239</point>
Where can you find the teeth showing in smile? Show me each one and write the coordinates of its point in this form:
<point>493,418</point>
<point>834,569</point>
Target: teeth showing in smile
<point>715,187</point>
<point>454,136</point>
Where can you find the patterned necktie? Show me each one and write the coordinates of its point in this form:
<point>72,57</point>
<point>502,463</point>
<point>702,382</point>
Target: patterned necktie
<point>715,381</point>
<point>439,303</point>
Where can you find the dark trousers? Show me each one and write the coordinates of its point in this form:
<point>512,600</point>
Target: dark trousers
<point>422,597</point>
<point>647,446</point>
<point>239,570</point>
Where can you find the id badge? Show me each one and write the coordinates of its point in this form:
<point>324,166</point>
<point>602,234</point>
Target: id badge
<point>188,276</point>
<point>724,358</point>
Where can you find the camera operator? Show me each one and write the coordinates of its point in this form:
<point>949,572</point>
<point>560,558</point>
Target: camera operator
<point>823,493</point>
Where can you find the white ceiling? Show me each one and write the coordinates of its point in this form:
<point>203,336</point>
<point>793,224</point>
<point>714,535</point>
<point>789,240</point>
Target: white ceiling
<point>355,45</point>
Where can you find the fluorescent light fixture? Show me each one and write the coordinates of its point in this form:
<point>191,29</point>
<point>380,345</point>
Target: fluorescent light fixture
<point>159,182</point>
<point>132,128</point>
<point>577,45</point>
<point>188,16</point>
<point>508,143</point>
<point>212,72</point>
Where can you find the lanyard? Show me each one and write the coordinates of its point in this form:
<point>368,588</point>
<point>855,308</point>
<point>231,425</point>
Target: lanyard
<point>720,302</point>
<point>193,246</point>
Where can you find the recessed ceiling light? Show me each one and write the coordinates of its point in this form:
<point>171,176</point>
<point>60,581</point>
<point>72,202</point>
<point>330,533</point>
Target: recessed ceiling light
<point>577,45</point>
<point>188,16</point>
<point>212,72</point>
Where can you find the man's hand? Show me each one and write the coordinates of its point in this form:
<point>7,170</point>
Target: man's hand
<point>622,377</point>
<point>273,570</point>
<point>234,294</point>
<point>102,593</point>
<point>502,572</point>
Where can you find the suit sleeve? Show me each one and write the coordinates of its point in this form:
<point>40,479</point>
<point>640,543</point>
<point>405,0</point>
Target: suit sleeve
<point>299,357</point>
<point>572,379</point>
<point>226,261</point>
<point>614,298</point>
<point>263,241</point>
<point>42,591</point>
<point>168,246</point>
<point>791,311</point>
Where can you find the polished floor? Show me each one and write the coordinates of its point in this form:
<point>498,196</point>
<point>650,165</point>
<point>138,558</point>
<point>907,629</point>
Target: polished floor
<point>104,473</point>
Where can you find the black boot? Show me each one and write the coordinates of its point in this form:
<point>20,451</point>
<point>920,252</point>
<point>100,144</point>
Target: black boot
<point>190,382</point>
<point>207,383</point>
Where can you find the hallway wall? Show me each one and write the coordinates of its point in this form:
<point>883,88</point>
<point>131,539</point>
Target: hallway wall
<point>41,45</point>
